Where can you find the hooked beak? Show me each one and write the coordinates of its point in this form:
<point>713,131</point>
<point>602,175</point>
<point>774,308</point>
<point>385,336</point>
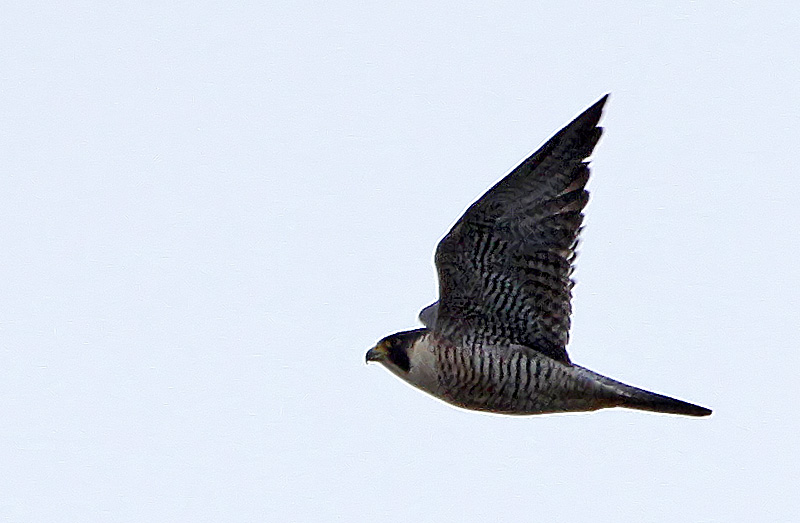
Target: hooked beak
<point>376,353</point>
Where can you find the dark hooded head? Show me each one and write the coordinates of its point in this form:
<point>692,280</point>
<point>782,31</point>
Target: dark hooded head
<point>394,351</point>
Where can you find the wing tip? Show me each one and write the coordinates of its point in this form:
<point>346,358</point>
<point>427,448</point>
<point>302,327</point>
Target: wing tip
<point>592,115</point>
<point>599,104</point>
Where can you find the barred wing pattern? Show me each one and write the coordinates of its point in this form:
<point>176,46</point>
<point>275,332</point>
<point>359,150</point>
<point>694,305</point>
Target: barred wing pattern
<point>504,268</point>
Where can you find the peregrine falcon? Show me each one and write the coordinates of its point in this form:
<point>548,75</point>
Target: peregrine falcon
<point>496,339</point>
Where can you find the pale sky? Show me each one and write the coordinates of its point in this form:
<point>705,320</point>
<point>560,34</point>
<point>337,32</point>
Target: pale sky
<point>212,210</point>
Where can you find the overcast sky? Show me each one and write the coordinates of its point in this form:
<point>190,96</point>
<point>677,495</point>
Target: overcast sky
<point>211,210</point>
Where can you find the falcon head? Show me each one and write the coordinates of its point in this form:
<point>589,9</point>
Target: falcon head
<point>396,351</point>
<point>411,357</point>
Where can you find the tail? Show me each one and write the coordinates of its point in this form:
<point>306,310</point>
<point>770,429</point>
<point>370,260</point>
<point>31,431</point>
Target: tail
<point>630,397</point>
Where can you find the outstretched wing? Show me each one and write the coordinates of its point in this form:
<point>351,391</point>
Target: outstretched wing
<point>504,268</point>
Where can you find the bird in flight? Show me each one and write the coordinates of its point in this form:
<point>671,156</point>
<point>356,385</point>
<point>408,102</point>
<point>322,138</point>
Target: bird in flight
<point>496,339</point>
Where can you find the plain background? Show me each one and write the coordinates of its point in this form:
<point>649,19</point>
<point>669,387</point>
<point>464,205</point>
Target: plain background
<point>211,210</point>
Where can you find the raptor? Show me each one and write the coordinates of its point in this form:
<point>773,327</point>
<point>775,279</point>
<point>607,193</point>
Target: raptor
<point>496,339</point>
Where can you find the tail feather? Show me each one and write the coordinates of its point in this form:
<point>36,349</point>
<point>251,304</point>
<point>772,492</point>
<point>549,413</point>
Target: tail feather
<point>653,402</point>
<point>631,397</point>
